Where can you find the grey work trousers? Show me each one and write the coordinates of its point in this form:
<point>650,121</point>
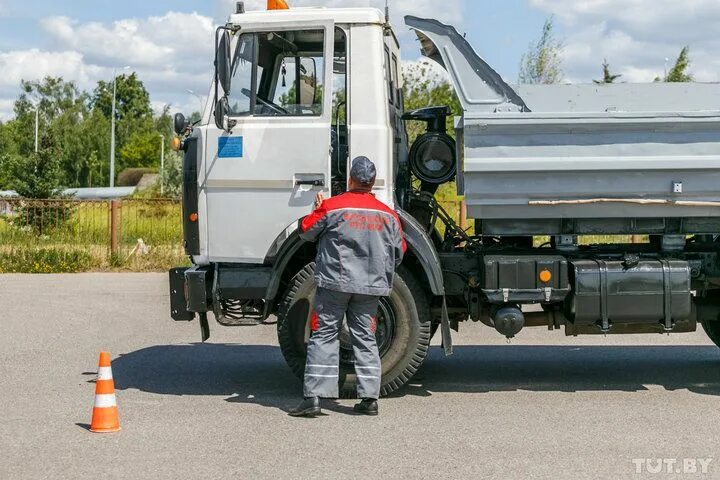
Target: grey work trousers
<point>323,356</point>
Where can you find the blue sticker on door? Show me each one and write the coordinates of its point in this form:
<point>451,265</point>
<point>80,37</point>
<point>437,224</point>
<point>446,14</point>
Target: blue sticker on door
<point>230,147</point>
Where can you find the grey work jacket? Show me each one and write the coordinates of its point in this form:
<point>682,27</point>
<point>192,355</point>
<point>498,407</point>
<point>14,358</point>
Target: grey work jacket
<point>360,244</point>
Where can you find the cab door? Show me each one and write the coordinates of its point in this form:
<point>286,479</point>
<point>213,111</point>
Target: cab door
<point>263,174</point>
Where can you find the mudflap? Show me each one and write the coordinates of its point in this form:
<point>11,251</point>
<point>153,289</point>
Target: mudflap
<point>187,291</point>
<point>445,330</point>
<point>178,297</point>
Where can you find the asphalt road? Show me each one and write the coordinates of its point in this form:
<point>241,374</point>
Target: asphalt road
<point>544,406</point>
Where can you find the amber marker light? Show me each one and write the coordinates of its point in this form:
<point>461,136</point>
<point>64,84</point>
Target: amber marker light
<point>176,144</point>
<point>545,276</point>
<point>193,217</point>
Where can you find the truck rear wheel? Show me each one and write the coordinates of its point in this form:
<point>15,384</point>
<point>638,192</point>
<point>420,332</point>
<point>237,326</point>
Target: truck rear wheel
<point>712,328</point>
<point>403,331</point>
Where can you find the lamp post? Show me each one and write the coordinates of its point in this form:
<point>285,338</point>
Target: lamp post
<point>36,106</point>
<point>37,126</point>
<point>200,99</point>
<point>112,129</point>
<point>162,164</point>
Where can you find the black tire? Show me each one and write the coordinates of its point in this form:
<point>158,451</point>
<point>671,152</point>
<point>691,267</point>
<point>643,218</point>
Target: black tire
<point>403,331</point>
<point>712,328</point>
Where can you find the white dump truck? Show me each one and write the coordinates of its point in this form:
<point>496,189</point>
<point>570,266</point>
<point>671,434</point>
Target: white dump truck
<point>297,93</point>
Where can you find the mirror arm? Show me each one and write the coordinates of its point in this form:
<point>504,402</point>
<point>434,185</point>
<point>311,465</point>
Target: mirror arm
<point>220,31</point>
<point>298,94</point>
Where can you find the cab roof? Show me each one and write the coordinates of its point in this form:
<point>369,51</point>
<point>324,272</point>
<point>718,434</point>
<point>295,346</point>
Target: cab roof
<point>338,15</point>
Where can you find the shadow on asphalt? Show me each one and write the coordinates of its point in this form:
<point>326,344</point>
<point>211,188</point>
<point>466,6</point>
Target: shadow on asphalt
<point>257,373</point>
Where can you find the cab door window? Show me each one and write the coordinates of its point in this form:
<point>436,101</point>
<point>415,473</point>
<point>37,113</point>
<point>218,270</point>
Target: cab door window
<point>278,73</point>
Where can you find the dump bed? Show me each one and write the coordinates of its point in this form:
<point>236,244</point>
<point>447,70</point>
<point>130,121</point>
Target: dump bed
<point>551,159</point>
<point>591,165</point>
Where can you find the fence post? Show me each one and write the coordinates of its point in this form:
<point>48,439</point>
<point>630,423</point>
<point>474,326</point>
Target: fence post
<point>114,227</point>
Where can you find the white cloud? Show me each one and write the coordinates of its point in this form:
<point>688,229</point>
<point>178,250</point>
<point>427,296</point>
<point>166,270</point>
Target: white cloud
<point>171,53</point>
<point>154,42</point>
<point>6,108</point>
<point>35,64</point>
<point>32,64</point>
<point>637,35</point>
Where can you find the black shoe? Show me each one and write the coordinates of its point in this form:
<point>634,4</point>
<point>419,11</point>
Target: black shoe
<point>368,406</point>
<point>310,407</point>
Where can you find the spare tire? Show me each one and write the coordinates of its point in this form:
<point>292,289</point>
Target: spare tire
<point>403,331</point>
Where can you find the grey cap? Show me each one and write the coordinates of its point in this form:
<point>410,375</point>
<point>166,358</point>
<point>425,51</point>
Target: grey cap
<point>363,171</point>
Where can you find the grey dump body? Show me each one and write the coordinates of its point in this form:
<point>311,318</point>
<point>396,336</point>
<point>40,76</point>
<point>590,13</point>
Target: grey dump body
<point>551,159</point>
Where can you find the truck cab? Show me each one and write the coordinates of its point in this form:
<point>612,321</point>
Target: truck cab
<point>294,114</point>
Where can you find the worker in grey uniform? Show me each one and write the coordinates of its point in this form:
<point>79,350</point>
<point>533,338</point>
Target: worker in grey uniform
<point>360,244</point>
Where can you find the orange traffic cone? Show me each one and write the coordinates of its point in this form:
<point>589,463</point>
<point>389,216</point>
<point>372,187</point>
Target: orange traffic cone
<point>105,412</point>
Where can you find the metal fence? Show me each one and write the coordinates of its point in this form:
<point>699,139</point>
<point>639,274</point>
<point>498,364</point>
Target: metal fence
<point>135,233</point>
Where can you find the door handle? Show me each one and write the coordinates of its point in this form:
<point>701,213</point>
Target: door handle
<point>312,183</point>
<point>310,179</point>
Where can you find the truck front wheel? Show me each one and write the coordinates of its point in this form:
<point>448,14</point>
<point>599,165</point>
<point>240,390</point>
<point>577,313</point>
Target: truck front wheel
<point>403,331</point>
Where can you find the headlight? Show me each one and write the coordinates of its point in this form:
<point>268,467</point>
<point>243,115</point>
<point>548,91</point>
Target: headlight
<point>433,158</point>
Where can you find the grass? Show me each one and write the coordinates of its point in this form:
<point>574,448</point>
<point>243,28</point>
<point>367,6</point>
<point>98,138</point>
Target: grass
<point>44,260</point>
<point>81,240</point>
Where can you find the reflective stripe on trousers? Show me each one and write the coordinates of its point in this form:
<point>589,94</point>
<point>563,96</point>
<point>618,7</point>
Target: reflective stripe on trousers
<point>323,357</point>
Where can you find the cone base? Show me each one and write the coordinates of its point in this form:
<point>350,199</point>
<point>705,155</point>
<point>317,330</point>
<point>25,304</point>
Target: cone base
<point>105,430</point>
<point>105,420</point>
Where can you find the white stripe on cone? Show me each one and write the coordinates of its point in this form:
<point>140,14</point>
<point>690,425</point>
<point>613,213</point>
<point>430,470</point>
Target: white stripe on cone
<point>104,373</point>
<point>105,400</point>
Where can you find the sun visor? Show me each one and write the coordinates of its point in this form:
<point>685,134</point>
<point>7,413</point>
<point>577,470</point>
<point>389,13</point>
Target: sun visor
<point>478,86</point>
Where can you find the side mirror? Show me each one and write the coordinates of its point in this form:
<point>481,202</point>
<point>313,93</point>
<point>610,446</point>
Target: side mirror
<point>223,67</point>
<point>179,123</point>
<point>222,108</point>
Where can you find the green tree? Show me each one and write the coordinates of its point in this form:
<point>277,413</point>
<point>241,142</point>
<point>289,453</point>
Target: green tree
<point>195,117</point>
<point>95,135</point>
<point>78,126</point>
<point>37,175</point>
<point>93,165</point>
<point>607,76</point>
<point>171,178</point>
<point>6,149</point>
<point>132,98</point>
<point>679,71</point>
<point>53,95</point>
<point>133,109</point>
<point>142,150</point>
<point>63,115</point>
<point>543,61</point>
<point>422,88</point>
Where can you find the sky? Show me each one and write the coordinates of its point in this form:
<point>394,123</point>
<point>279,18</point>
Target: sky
<point>169,42</point>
